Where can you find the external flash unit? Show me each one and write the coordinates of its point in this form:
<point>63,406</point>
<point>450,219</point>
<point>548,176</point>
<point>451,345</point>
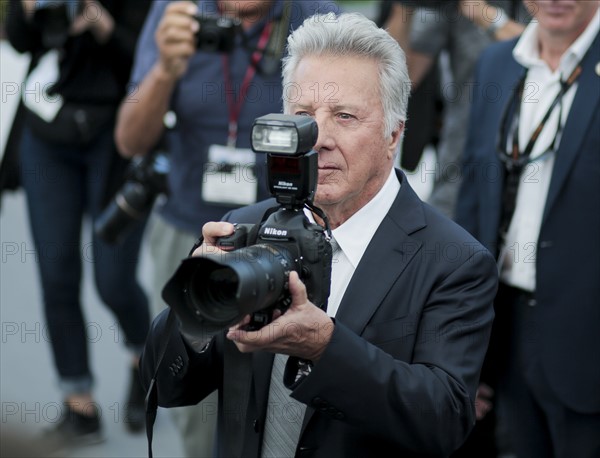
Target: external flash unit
<point>285,135</point>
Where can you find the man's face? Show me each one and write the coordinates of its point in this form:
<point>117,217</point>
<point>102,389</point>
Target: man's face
<point>342,94</point>
<point>563,17</point>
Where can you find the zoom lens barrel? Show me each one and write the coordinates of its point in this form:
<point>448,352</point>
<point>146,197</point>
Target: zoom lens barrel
<point>223,288</point>
<point>128,207</point>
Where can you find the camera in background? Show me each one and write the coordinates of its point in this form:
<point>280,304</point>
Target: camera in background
<point>146,180</point>
<point>216,34</point>
<point>54,19</point>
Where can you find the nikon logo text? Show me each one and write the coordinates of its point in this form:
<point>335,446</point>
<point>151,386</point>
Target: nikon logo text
<point>273,231</point>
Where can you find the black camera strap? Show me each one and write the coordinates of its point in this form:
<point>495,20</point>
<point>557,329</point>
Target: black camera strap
<point>235,104</point>
<point>152,394</point>
<point>321,214</point>
<point>514,159</point>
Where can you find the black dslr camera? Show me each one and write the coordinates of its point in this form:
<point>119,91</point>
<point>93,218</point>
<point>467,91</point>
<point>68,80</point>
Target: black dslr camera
<point>218,289</point>
<point>216,34</point>
<point>146,179</point>
<point>54,18</point>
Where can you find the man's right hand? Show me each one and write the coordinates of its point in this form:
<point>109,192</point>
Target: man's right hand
<point>211,232</point>
<point>176,38</point>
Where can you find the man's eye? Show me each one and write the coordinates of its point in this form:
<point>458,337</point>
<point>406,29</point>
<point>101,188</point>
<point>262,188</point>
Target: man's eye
<point>302,113</point>
<point>345,116</point>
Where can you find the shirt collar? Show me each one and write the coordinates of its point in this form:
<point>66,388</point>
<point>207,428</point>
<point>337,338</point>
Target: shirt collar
<point>356,233</point>
<point>526,52</point>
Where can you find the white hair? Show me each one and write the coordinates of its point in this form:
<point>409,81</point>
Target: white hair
<point>352,34</point>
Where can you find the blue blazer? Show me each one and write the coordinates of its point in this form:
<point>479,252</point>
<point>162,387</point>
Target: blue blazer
<point>568,248</point>
<point>398,377</point>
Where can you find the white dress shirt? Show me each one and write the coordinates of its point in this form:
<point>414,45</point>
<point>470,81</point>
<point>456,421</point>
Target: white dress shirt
<point>353,237</point>
<point>518,255</point>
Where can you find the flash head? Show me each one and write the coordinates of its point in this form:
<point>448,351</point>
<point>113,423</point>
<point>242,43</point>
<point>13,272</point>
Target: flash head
<point>285,135</point>
<point>292,166</point>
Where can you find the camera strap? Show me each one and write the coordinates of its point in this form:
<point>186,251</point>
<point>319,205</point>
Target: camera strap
<point>514,159</point>
<point>152,394</point>
<point>235,106</point>
<point>321,214</point>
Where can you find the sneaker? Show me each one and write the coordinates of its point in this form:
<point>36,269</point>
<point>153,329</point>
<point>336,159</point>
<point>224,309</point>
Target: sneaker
<point>135,407</point>
<point>73,430</point>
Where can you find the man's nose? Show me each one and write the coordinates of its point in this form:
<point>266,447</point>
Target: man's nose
<point>326,137</point>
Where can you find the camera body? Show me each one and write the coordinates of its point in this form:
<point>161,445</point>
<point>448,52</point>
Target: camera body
<point>54,18</point>
<point>146,180</point>
<point>249,274</point>
<point>216,34</point>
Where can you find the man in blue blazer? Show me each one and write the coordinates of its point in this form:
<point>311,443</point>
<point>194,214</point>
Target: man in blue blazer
<point>395,359</point>
<point>536,111</point>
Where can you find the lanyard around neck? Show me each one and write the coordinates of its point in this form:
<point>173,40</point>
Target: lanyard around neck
<point>515,159</point>
<point>235,106</point>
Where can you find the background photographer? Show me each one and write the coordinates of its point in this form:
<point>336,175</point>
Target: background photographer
<point>216,96</point>
<point>84,52</point>
<point>539,215</point>
<point>443,40</point>
<point>395,373</point>
<point>447,37</point>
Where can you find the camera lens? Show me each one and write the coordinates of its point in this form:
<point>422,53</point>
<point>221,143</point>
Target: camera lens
<point>135,199</point>
<point>225,287</point>
<point>222,284</point>
<point>210,41</point>
<point>217,293</point>
<point>128,207</point>
<point>216,34</point>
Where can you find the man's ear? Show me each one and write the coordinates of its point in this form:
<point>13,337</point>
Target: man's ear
<point>395,138</point>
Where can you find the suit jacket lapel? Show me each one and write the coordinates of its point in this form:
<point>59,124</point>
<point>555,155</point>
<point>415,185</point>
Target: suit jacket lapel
<point>391,242</point>
<point>584,105</point>
<point>369,285</point>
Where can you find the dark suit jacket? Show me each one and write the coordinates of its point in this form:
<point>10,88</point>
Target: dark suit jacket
<point>399,375</point>
<point>568,248</point>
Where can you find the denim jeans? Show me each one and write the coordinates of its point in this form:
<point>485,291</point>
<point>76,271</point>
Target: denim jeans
<point>64,184</point>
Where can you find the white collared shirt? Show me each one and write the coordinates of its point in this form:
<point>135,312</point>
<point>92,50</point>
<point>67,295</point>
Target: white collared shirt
<point>353,237</point>
<point>518,256</point>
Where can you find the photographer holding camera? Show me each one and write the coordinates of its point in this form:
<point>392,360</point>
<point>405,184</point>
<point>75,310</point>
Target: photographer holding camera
<point>84,52</point>
<point>216,65</point>
<point>390,365</point>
